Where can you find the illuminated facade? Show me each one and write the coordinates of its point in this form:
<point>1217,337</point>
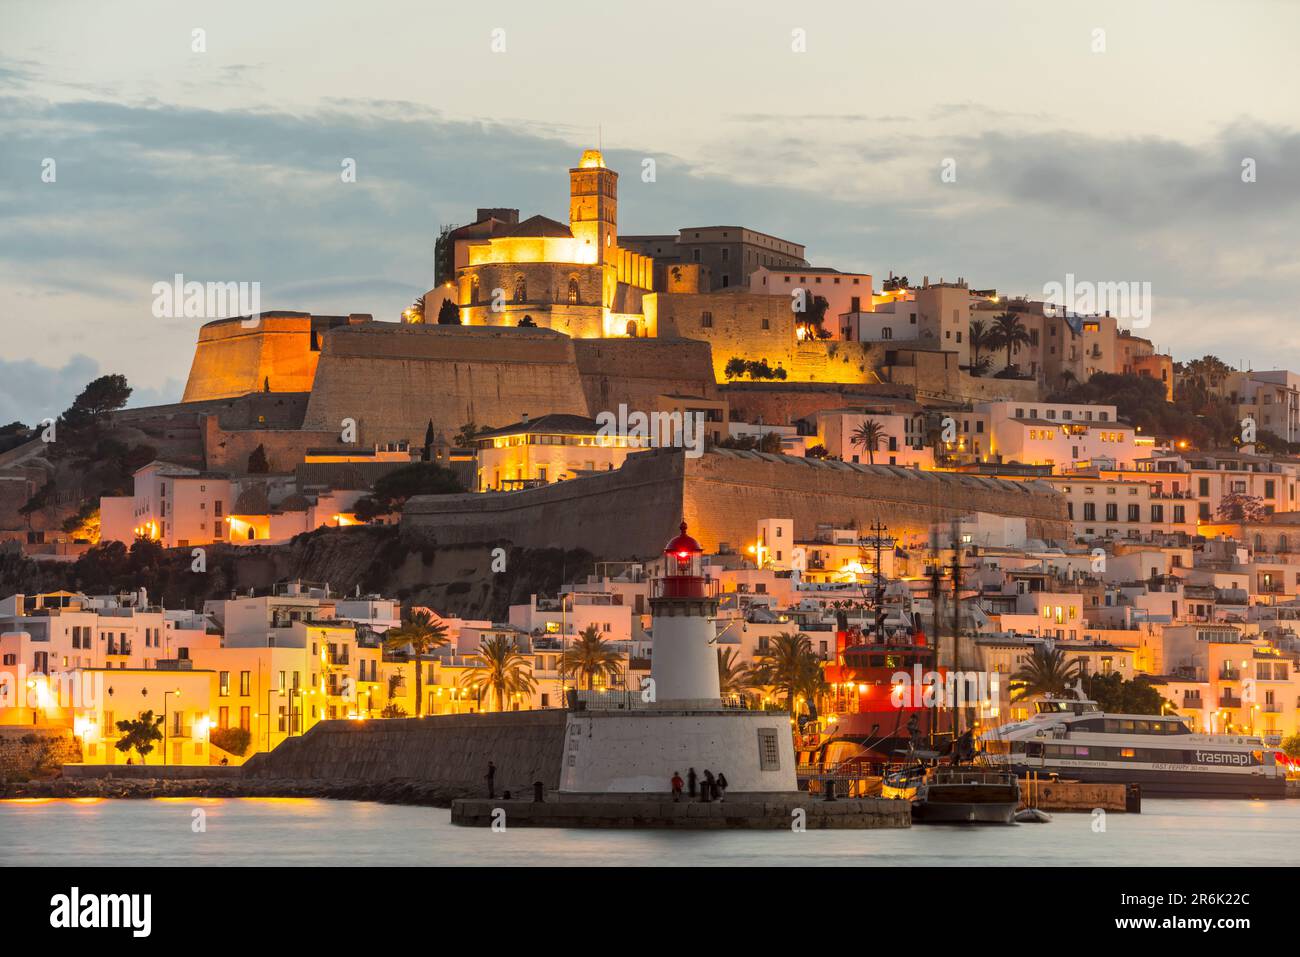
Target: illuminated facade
<point>571,278</point>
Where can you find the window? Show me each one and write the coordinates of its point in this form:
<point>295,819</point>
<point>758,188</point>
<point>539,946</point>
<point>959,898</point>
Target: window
<point>224,688</point>
<point>244,678</point>
<point>245,718</point>
<point>769,755</point>
<point>706,320</point>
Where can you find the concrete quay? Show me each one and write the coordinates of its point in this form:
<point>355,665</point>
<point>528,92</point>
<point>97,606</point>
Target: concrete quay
<point>632,811</point>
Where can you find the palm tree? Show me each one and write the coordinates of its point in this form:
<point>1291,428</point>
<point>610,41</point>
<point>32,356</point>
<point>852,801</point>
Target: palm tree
<point>1010,332</point>
<point>500,671</point>
<point>981,337</point>
<point>734,676</point>
<point>791,669</point>
<point>421,634</point>
<point>1046,672</point>
<point>867,436</point>
<point>591,657</point>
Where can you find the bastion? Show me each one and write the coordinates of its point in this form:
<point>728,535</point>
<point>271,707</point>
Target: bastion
<point>628,513</point>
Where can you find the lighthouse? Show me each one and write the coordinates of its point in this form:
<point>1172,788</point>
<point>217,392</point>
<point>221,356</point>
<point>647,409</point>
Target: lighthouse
<point>684,604</point>
<point>678,721</point>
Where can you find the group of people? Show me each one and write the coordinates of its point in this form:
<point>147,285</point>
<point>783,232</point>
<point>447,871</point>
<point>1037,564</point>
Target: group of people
<point>711,788</point>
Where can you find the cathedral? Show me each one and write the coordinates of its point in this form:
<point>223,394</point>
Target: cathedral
<point>572,278</point>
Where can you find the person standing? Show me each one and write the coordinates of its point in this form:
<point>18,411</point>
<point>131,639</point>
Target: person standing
<point>492,780</point>
<point>722,786</point>
<point>677,787</point>
<point>690,782</point>
<point>706,788</point>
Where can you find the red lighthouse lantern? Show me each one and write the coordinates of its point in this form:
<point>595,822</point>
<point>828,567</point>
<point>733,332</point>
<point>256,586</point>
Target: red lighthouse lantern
<point>684,574</point>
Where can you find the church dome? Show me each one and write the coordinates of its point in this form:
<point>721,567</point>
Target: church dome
<point>591,159</point>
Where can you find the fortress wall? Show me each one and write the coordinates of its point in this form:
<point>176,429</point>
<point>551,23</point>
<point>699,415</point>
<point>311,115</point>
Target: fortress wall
<point>728,492</point>
<point>231,360</point>
<point>625,514</point>
<point>449,750</point>
<point>635,371</point>
<point>227,450</point>
<point>393,379</point>
<point>630,513</point>
<point>784,404</point>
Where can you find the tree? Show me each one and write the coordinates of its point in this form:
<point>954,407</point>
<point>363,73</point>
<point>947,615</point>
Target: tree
<point>421,634</point>
<point>981,337</point>
<point>1291,746</point>
<point>466,434</point>
<point>500,672</point>
<point>867,436</point>
<point>1240,507</point>
<point>258,464</point>
<point>426,455</point>
<point>1115,695</point>
<point>817,451</point>
<point>1009,333</point>
<point>734,675</point>
<point>448,313</point>
<point>791,669</point>
<point>1045,672</point>
<point>527,323</point>
<point>234,740</point>
<point>391,491</point>
<point>140,734</point>
<point>106,394</point>
<point>41,499</point>
<point>591,657</point>
<point>84,526</point>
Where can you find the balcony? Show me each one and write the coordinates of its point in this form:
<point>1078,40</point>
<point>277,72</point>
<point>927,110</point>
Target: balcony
<point>1229,701</point>
<point>119,648</point>
<point>1229,674</point>
<point>1193,702</point>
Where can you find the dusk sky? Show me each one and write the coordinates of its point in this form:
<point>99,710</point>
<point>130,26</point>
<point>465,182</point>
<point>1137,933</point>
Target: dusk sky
<point>223,165</point>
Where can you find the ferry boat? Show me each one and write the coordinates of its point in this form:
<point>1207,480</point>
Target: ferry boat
<point>1075,740</point>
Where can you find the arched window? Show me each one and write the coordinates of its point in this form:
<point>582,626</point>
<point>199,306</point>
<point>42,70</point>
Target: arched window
<point>473,291</point>
<point>252,534</point>
<point>1283,546</point>
<point>631,328</point>
<point>574,291</point>
<point>521,289</point>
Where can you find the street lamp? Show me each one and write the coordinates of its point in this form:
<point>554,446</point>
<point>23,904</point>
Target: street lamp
<point>165,694</point>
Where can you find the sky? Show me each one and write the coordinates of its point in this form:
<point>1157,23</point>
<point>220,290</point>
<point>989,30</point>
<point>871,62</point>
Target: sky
<point>1104,140</point>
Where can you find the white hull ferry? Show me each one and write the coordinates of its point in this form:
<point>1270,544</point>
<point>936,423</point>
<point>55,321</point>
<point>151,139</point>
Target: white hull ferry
<point>1077,741</point>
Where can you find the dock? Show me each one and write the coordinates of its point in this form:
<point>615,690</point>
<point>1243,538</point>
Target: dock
<point>765,812</point>
<point>1065,796</point>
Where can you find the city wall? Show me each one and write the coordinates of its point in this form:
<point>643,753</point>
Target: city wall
<point>232,360</point>
<point>635,371</point>
<point>394,379</point>
<point>26,750</point>
<point>630,513</point>
<point>451,751</point>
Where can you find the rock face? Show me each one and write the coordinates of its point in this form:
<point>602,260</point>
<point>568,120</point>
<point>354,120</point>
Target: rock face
<point>27,751</point>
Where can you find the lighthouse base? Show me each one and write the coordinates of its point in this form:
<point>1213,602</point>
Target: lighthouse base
<point>637,752</point>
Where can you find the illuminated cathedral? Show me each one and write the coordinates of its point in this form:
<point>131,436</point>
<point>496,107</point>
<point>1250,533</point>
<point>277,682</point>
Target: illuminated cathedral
<point>572,278</point>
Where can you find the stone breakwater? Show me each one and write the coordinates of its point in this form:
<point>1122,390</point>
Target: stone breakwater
<point>395,791</point>
<point>738,812</point>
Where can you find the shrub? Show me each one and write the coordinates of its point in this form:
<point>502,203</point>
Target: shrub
<point>234,740</point>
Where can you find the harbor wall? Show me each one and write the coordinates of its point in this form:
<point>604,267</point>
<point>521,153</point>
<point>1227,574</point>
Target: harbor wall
<point>449,751</point>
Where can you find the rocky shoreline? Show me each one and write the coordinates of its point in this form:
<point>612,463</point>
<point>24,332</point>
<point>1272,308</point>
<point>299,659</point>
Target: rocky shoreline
<point>393,791</point>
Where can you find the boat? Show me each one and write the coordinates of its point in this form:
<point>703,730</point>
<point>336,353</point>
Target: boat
<point>1075,740</point>
<point>955,793</point>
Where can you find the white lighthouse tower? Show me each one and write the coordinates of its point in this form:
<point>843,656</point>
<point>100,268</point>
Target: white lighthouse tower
<point>679,722</point>
<point>684,605</point>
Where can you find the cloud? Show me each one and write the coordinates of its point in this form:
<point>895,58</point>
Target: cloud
<point>147,191</point>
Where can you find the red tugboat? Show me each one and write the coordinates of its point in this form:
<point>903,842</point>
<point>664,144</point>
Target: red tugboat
<point>875,724</point>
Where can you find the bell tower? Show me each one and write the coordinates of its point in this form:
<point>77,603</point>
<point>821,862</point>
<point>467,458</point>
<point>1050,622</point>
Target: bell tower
<point>593,207</point>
